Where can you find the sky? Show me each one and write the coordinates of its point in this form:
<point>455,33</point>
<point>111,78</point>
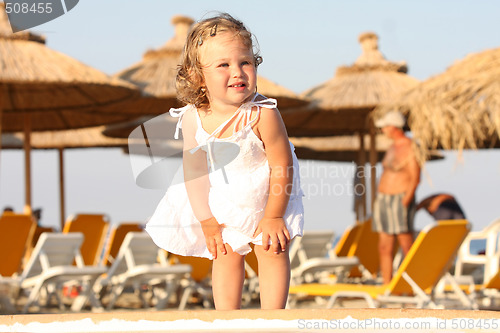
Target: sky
<point>302,43</point>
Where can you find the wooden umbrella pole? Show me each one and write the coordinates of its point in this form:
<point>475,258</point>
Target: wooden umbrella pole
<point>362,163</point>
<point>61,186</point>
<point>373,163</point>
<point>1,115</point>
<point>27,163</point>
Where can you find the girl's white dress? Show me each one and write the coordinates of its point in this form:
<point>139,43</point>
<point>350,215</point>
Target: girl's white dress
<point>238,194</point>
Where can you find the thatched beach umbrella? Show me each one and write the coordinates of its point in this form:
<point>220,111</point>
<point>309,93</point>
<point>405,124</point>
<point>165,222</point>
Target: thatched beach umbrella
<point>155,75</point>
<point>123,130</point>
<point>457,109</point>
<point>78,138</point>
<point>341,148</point>
<point>42,89</point>
<point>341,106</point>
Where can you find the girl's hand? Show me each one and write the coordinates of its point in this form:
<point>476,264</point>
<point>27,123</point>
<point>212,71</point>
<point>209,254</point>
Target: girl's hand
<point>213,236</point>
<point>274,229</point>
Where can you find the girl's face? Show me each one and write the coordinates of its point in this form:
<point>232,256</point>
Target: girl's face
<point>228,70</point>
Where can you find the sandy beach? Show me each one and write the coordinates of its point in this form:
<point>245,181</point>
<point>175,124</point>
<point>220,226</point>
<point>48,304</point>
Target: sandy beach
<point>308,315</point>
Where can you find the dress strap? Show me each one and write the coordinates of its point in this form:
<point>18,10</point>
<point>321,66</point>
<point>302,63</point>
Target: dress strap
<point>179,113</point>
<point>270,103</point>
<point>245,110</point>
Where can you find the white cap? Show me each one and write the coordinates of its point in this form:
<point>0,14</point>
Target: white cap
<point>392,118</point>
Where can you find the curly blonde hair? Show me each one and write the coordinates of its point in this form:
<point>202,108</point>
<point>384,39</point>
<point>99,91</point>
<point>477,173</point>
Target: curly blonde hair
<point>189,80</point>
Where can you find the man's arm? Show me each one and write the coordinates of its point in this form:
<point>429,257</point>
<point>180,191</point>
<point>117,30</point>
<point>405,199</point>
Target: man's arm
<point>413,170</point>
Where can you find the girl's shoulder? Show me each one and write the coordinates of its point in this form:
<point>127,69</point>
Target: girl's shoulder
<point>190,114</point>
<point>264,106</point>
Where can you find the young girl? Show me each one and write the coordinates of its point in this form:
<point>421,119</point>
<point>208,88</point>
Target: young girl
<point>254,194</point>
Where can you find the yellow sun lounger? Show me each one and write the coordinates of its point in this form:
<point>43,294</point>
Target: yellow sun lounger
<point>348,238</point>
<point>360,241</point>
<point>94,227</point>
<point>115,240</point>
<point>16,232</point>
<point>428,260</point>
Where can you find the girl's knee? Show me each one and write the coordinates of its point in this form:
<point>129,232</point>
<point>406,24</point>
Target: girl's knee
<point>270,254</point>
<point>230,257</point>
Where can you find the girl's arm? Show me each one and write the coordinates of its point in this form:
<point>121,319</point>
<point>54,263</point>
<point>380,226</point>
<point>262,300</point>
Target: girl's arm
<point>273,134</point>
<point>198,185</point>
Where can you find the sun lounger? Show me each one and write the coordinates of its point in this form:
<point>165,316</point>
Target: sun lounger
<point>36,235</point>
<point>360,241</point>
<point>16,233</point>
<point>199,282</point>
<point>348,238</point>
<point>137,264</point>
<point>115,240</point>
<point>8,287</point>
<point>487,294</point>
<point>94,227</point>
<point>51,264</point>
<point>467,261</point>
<point>428,260</point>
<point>312,257</point>
<point>365,248</point>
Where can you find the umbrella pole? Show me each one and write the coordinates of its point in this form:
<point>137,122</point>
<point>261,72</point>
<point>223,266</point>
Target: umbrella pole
<point>373,163</point>
<point>27,163</point>
<point>1,115</point>
<point>362,163</point>
<point>61,185</point>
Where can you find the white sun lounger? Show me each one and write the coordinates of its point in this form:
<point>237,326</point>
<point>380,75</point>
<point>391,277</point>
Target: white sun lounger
<point>137,264</point>
<point>51,264</point>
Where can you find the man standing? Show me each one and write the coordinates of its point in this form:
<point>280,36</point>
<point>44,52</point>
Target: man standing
<point>394,207</point>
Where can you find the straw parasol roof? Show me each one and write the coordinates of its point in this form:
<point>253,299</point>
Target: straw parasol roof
<point>342,104</point>
<point>285,97</point>
<point>342,148</point>
<point>457,109</point>
<point>161,127</point>
<point>51,86</point>
<point>42,89</point>
<point>155,74</point>
<point>78,138</point>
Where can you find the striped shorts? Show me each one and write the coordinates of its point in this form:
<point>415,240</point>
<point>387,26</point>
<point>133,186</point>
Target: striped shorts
<point>390,216</point>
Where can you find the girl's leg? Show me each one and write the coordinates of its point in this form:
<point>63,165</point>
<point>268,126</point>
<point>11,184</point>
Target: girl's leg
<point>274,277</point>
<point>228,274</point>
